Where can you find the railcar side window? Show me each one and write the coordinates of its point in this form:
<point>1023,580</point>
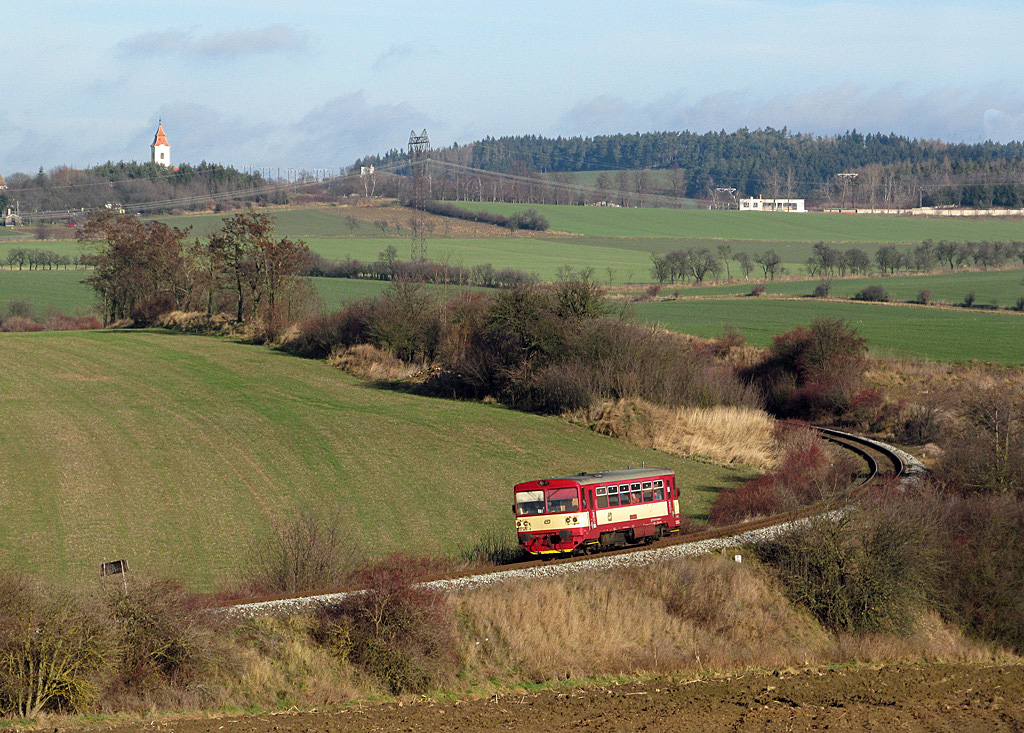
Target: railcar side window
<point>563,500</point>
<point>636,493</point>
<point>529,502</point>
<point>613,496</point>
<point>648,495</point>
<point>602,497</point>
<point>624,495</point>
<point>659,493</point>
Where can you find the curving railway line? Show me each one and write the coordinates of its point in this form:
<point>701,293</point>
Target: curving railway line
<point>882,461</point>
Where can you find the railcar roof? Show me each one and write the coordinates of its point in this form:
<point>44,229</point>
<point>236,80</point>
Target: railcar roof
<point>603,477</point>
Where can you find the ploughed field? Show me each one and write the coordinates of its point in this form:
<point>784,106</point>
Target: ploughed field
<point>896,697</point>
<point>177,452</point>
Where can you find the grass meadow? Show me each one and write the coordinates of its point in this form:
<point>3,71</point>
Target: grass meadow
<point>940,334</point>
<point>177,452</point>
<point>597,221</point>
<point>999,287</point>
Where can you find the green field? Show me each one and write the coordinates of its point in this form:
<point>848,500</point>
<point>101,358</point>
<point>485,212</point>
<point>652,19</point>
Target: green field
<point>47,290</point>
<point>596,221</point>
<point>175,452</point>
<point>1002,287</point>
<point>891,330</point>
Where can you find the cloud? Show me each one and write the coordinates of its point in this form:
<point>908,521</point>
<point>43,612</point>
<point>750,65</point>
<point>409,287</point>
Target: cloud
<point>399,55</point>
<point>949,113</point>
<point>330,136</point>
<point>232,44</point>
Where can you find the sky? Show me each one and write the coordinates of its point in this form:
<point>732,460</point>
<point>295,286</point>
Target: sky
<point>310,85</point>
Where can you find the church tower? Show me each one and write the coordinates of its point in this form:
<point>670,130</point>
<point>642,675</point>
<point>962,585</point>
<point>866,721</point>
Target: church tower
<point>160,147</point>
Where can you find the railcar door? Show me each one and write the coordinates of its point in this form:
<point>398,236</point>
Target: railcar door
<point>591,508</point>
<point>673,505</point>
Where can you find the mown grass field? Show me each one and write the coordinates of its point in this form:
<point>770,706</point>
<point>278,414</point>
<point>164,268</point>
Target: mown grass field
<point>811,226</point>
<point>177,452</point>
<point>891,330</point>
<point>1001,287</point>
<point>46,290</point>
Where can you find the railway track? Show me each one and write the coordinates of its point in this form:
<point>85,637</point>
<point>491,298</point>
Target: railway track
<point>882,461</point>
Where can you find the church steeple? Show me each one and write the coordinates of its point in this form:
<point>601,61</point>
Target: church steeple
<point>161,149</point>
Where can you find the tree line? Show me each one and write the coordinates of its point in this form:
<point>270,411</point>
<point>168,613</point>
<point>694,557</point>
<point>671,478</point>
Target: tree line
<point>68,189</point>
<point>701,264</point>
<point>141,268</point>
<point>894,170</point>
<point>39,259</point>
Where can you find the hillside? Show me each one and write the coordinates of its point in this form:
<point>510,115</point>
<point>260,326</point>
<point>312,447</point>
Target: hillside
<point>176,452</point>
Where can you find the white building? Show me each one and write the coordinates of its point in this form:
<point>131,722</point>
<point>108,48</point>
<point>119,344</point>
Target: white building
<point>160,147</point>
<point>760,204</point>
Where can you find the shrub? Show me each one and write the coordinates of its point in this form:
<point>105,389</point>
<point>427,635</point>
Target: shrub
<point>163,637</point>
<point>968,300</point>
<point>529,219</point>
<point>402,634</point>
<point>812,372</point>
<point>20,308</point>
<point>59,322</point>
<point>149,310</point>
<point>14,324</point>
<point>318,336</point>
<point>757,291</point>
<point>873,293</point>
<point>985,451</point>
<point>855,572</point>
<point>308,553</point>
<point>1019,305</point>
<point>53,649</point>
<point>920,425</point>
<point>822,289</point>
<point>983,568</point>
<point>807,472</point>
<point>924,297</point>
<point>651,291</point>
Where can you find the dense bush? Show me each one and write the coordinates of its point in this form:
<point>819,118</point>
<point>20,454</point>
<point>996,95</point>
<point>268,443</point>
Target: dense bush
<point>873,293</point>
<point>984,451</point>
<point>813,372</point>
<point>402,634</point>
<point>807,472</point>
<point>54,649</point>
<point>855,572</point>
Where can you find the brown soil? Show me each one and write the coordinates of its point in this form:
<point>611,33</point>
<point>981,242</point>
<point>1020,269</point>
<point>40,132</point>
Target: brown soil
<point>898,697</point>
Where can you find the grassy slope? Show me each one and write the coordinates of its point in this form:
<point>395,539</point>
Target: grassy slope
<point>898,330</point>
<point>174,452</point>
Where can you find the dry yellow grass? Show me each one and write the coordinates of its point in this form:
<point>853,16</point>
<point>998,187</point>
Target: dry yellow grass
<point>701,615</point>
<point>366,361</point>
<point>721,434</point>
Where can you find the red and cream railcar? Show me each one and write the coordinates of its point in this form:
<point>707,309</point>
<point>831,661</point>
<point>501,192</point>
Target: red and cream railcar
<point>595,511</point>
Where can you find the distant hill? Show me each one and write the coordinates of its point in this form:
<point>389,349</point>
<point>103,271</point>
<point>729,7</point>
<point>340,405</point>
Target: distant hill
<point>893,170</point>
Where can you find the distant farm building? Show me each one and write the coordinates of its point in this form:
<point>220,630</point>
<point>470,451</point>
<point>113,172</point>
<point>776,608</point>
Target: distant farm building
<point>3,183</point>
<point>760,204</point>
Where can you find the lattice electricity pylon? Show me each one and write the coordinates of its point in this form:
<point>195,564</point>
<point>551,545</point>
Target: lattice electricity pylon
<point>717,203</point>
<point>419,154</point>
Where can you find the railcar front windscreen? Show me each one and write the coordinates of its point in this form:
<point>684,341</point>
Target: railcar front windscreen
<point>563,500</point>
<point>529,502</point>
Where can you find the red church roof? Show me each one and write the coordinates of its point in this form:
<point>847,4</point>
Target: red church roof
<point>160,138</point>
